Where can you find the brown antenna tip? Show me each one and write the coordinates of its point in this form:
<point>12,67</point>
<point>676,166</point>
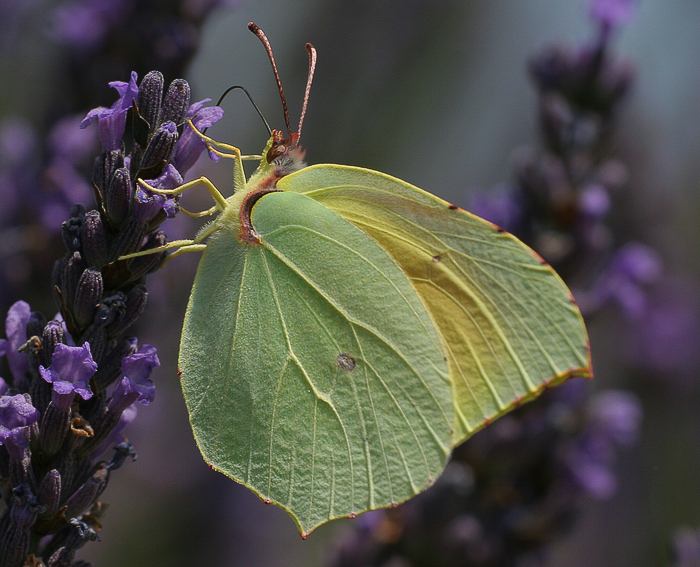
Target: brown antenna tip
<point>311,51</point>
<point>257,30</point>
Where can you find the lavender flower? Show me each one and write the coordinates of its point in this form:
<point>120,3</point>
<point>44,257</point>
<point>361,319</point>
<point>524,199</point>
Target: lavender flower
<point>16,417</point>
<point>70,373</point>
<point>148,204</point>
<point>190,146</point>
<point>111,122</point>
<point>136,385</point>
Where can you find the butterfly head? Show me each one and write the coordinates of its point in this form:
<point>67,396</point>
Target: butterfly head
<point>283,150</point>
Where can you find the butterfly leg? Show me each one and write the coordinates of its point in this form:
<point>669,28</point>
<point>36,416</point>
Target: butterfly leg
<point>189,245</point>
<point>219,199</point>
<point>158,249</point>
<point>239,179</point>
<point>185,250</point>
<point>199,214</point>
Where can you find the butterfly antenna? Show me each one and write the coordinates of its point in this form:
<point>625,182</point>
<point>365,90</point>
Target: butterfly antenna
<point>311,51</point>
<point>257,30</point>
<point>250,98</point>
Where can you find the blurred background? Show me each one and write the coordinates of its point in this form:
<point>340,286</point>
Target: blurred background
<point>454,97</point>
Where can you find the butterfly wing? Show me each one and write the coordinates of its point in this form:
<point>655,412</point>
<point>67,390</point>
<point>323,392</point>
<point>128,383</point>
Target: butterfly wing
<point>509,323</point>
<point>312,372</point>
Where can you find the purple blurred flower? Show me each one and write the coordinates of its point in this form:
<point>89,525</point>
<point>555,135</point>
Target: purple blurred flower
<point>190,146</point>
<point>16,415</point>
<point>666,338</point>
<point>136,385</point>
<point>17,141</point>
<point>84,23</point>
<point>594,202</point>
<point>614,418</point>
<point>148,204</point>
<point>625,281</point>
<point>612,13</point>
<point>70,372</point>
<point>67,140</point>
<point>501,208</point>
<point>16,333</point>
<point>111,122</point>
<point>618,415</point>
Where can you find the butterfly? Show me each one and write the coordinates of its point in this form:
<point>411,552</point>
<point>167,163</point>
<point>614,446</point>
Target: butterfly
<point>346,329</point>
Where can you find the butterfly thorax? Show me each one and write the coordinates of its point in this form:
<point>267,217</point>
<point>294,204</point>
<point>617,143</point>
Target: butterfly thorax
<point>280,157</point>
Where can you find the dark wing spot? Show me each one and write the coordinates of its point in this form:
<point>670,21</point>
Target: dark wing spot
<point>345,361</point>
<point>437,258</point>
<point>452,207</point>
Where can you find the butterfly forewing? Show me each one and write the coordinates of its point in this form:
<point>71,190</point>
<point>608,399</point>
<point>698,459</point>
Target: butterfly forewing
<point>508,322</point>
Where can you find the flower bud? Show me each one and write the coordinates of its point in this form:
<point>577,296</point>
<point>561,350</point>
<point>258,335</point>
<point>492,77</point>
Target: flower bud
<point>52,335</point>
<point>55,423</point>
<point>111,309</point>
<point>94,240</point>
<point>143,265</point>
<point>150,98</point>
<point>160,149</point>
<point>129,238</point>
<point>105,166</point>
<point>118,196</point>
<point>176,102</point>
<point>135,305</point>
<point>15,534</point>
<point>82,499</point>
<point>49,492</point>
<point>72,270</point>
<point>71,230</point>
<point>87,296</point>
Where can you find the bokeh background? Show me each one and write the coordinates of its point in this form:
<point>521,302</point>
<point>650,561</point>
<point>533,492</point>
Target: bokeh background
<point>435,92</point>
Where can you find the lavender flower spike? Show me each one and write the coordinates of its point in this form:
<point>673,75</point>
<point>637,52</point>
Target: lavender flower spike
<point>70,372</point>
<point>111,122</point>
<point>16,332</point>
<point>16,415</point>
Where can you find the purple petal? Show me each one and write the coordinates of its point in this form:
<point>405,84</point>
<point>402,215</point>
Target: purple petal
<point>169,179</point>
<point>148,204</point>
<point>138,366</point>
<point>112,121</point>
<point>196,107</point>
<point>128,92</point>
<point>70,370</point>
<point>190,146</point>
<point>137,369</point>
<point>207,117</point>
<point>16,411</point>
<point>3,387</point>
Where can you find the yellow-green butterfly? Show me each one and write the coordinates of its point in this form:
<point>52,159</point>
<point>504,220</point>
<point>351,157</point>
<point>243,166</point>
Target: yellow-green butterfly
<point>346,330</point>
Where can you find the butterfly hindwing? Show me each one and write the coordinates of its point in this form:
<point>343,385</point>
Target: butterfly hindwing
<point>312,371</point>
